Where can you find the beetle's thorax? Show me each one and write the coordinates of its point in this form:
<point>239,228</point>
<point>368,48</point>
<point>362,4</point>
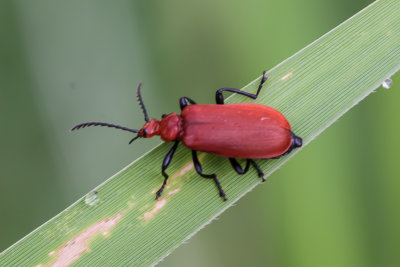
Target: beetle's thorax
<point>169,128</point>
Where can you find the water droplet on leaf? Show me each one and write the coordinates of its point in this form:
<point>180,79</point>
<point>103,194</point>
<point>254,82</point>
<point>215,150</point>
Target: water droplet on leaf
<point>387,83</point>
<point>91,198</point>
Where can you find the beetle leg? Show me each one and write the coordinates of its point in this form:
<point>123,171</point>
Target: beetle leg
<point>236,166</point>
<point>184,101</point>
<point>164,166</point>
<point>199,170</point>
<point>260,172</point>
<point>220,98</point>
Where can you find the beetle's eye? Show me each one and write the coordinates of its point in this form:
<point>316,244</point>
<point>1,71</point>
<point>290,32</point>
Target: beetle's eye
<point>144,133</point>
<point>163,115</point>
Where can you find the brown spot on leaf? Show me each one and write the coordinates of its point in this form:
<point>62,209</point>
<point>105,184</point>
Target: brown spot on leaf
<point>147,216</point>
<point>73,249</point>
<point>173,192</point>
<point>187,167</point>
<point>286,76</point>
<point>184,170</point>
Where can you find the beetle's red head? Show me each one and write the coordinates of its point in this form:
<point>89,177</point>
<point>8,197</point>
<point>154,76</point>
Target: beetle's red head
<point>150,129</point>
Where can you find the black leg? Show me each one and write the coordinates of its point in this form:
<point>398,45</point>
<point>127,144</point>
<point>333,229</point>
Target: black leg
<point>259,171</point>
<point>236,166</point>
<point>199,170</point>
<point>184,101</point>
<point>220,98</point>
<point>164,166</point>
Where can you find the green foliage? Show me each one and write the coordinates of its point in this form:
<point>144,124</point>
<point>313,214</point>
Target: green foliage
<point>312,89</point>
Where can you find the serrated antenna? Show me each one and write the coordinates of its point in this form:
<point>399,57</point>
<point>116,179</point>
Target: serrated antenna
<point>139,99</point>
<point>88,124</point>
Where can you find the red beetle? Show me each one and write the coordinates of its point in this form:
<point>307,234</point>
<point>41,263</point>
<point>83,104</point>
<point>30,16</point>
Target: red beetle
<point>247,131</point>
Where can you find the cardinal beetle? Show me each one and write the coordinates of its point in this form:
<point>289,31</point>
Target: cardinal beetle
<point>247,131</point>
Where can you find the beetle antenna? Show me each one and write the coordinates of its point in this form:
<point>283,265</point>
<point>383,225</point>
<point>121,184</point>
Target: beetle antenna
<point>133,139</point>
<point>87,124</point>
<point>139,99</point>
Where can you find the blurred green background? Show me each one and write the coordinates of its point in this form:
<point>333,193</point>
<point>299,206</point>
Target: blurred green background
<point>66,62</point>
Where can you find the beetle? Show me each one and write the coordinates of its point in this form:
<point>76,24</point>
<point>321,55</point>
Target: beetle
<point>244,130</point>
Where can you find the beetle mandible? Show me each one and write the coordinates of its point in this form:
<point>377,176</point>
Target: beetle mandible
<point>244,130</point>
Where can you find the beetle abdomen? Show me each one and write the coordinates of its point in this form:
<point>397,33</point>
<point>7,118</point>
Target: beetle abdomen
<point>236,130</point>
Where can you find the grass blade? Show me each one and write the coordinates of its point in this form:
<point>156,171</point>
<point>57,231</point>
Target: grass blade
<point>123,225</point>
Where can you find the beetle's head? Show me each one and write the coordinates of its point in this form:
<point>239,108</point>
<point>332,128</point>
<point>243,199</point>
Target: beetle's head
<point>149,129</point>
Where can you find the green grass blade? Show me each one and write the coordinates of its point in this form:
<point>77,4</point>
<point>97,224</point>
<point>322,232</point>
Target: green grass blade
<point>123,225</point>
